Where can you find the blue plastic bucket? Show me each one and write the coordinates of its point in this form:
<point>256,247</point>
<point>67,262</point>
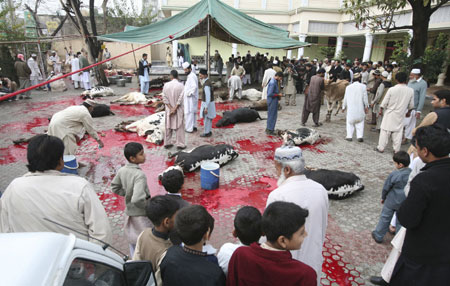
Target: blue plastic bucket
<point>70,165</point>
<point>209,175</point>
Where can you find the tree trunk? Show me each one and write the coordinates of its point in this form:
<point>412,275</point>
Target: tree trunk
<point>420,20</point>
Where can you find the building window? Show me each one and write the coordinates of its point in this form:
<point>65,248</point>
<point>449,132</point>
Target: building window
<point>312,40</point>
<point>322,27</point>
<point>332,41</point>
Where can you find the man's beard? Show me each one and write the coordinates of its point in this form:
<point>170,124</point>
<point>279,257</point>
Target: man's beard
<point>281,179</point>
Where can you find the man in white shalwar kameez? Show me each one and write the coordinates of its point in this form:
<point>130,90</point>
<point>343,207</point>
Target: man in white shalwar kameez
<point>75,64</point>
<point>45,192</point>
<point>294,187</point>
<point>190,99</point>
<point>72,123</point>
<point>235,85</point>
<point>173,101</point>
<point>54,58</point>
<point>268,75</point>
<point>356,102</point>
<point>398,102</point>
<point>35,75</point>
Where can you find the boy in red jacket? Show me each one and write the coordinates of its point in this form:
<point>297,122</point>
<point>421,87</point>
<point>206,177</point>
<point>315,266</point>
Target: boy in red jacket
<point>271,263</point>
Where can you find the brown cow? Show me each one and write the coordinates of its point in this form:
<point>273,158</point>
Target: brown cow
<point>334,93</point>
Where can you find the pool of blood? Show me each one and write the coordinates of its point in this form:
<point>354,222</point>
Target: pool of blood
<point>103,164</point>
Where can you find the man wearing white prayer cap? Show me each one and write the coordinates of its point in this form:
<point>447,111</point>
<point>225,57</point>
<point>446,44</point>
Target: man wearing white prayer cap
<point>72,123</point>
<point>420,86</point>
<point>190,99</point>
<point>293,186</point>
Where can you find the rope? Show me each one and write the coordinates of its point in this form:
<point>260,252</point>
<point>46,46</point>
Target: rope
<point>9,95</point>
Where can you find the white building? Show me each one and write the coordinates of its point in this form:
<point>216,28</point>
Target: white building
<point>319,22</point>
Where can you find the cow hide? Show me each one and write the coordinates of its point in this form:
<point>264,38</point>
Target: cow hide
<point>261,105</point>
<point>101,110</point>
<point>151,126</point>
<point>252,94</point>
<point>238,115</point>
<point>98,91</point>
<point>132,98</point>
<point>339,185</point>
<point>58,85</point>
<point>300,136</point>
<point>191,160</point>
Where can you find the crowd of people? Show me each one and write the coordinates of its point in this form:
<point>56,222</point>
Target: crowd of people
<point>30,72</point>
<point>284,243</point>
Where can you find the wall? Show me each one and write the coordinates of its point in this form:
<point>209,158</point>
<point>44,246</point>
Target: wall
<point>126,62</point>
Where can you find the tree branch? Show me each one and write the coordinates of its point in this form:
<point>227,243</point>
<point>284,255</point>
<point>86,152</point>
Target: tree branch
<point>33,13</point>
<point>438,6</point>
<point>399,28</point>
<point>60,25</point>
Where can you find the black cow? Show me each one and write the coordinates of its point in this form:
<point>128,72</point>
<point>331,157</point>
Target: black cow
<point>101,110</point>
<point>339,185</point>
<point>242,114</point>
<point>191,160</point>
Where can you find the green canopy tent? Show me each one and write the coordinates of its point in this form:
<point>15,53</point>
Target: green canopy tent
<point>210,18</point>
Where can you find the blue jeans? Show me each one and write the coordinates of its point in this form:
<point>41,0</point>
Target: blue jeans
<point>145,85</point>
<point>208,125</point>
<point>272,113</point>
<point>384,222</point>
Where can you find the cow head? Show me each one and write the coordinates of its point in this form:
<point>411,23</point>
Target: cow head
<point>224,122</point>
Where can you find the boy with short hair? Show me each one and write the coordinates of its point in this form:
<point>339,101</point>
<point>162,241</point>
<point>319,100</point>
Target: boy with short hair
<point>393,194</point>
<point>173,181</point>
<point>131,182</point>
<point>271,263</point>
<point>247,228</point>
<point>153,242</point>
<point>188,265</point>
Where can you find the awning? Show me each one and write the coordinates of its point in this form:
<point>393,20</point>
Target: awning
<point>227,24</point>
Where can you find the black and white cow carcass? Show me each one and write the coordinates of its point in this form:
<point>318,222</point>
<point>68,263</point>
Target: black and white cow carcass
<point>101,110</point>
<point>242,114</point>
<point>98,91</point>
<point>300,136</point>
<point>151,126</point>
<point>339,185</point>
<point>191,160</point>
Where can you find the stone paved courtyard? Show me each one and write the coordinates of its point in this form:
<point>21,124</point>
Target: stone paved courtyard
<point>351,255</point>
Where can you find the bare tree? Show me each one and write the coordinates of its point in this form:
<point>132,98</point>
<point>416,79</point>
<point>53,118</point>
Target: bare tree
<point>73,9</point>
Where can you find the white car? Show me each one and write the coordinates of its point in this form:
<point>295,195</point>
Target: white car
<point>52,259</point>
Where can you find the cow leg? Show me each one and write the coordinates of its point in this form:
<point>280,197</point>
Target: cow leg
<point>329,110</point>
<point>339,106</point>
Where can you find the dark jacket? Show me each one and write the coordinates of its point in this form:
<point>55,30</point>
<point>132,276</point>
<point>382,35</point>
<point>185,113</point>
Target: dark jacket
<point>183,268</point>
<point>443,116</point>
<point>207,83</point>
<point>425,214</point>
<point>335,71</point>
<point>22,69</point>
<point>142,67</point>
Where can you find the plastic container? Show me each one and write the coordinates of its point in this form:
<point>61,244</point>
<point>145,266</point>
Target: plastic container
<point>112,79</point>
<point>70,164</point>
<point>209,175</point>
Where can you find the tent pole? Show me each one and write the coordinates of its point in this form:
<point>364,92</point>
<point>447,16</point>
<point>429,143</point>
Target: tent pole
<point>134,55</point>
<point>208,46</point>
